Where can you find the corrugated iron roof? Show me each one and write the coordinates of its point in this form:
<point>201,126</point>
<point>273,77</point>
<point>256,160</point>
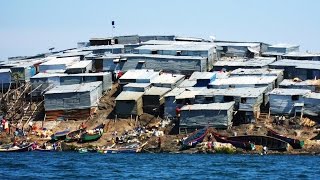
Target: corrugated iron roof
<point>166,78</point>
<point>289,92</point>
<point>140,74</point>
<point>284,45</point>
<point>241,92</point>
<point>129,96</point>
<point>257,71</point>
<point>255,62</point>
<point>312,95</point>
<point>238,80</point>
<point>5,70</point>
<point>74,88</point>
<point>157,91</point>
<point>80,64</point>
<point>289,82</point>
<point>211,106</point>
<point>141,85</point>
<point>202,75</point>
<point>299,64</point>
<point>181,47</point>
<point>67,61</point>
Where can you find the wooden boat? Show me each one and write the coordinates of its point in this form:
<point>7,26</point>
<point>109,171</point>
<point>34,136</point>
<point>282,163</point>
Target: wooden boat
<point>92,135</point>
<point>74,135</point>
<point>20,148</point>
<point>133,148</point>
<point>295,143</point>
<point>237,144</point>
<point>195,138</point>
<point>44,150</point>
<point>270,142</point>
<point>60,135</point>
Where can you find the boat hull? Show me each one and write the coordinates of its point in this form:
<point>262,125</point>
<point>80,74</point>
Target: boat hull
<point>295,143</point>
<point>270,142</point>
<point>237,144</point>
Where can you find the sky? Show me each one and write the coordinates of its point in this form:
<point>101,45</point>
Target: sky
<point>32,27</point>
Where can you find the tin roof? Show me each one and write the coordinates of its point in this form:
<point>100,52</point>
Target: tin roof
<point>302,54</point>
<point>187,83</point>
<point>239,44</point>
<point>157,91</point>
<point>289,82</point>
<point>129,96</point>
<point>159,56</point>
<point>139,74</point>
<point>211,106</point>
<point>289,92</point>
<point>74,88</point>
<point>47,75</point>
<point>67,61</point>
<point>258,71</point>
<point>240,92</point>
<point>166,78</point>
<point>189,93</point>
<point>80,64</point>
<point>181,47</point>
<point>73,53</point>
<point>239,80</point>
<point>284,45</point>
<point>312,95</point>
<point>255,62</point>
<point>5,70</point>
<point>92,48</point>
<point>202,75</point>
<point>140,85</point>
<point>299,64</point>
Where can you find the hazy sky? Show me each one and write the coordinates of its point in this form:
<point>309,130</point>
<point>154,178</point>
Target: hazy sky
<point>31,27</point>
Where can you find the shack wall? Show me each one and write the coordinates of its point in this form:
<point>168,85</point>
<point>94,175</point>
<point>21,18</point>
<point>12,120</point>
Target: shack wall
<point>126,108</point>
<point>202,118</point>
<point>282,104</point>
<point>311,106</point>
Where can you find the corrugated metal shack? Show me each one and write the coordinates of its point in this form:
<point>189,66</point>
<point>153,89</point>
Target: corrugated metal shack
<point>298,69</point>
<point>207,50</point>
<point>137,87</point>
<point>129,103</point>
<point>84,66</point>
<point>277,50</point>
<point>167,80</point>
<point>247,100</point>
<point>287,101</point>
<point>313,85</point>
<point>58,64</point>
<point>138,76</point>
<point>259,72</point>
<point>72,101</point>
<point>240,49</point>
<point>217,115</point>
<point>153,100</point>
<point>5,78</point>
<point>42,82</point>
<point>172,64</point>
<point>311,104</point>
<point>230,64</point>
<point>107,62</point>
<point>24,71</point>
<point>104,77</point>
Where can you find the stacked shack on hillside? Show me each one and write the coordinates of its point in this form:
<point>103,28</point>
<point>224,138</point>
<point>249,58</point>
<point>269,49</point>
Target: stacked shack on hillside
<point>129,104</point>
<point>287,101</point>
<point>74,102</point>
<point>217,115</point>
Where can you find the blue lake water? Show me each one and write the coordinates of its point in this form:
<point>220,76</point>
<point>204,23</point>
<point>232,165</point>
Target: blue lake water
<point>62,165</point>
